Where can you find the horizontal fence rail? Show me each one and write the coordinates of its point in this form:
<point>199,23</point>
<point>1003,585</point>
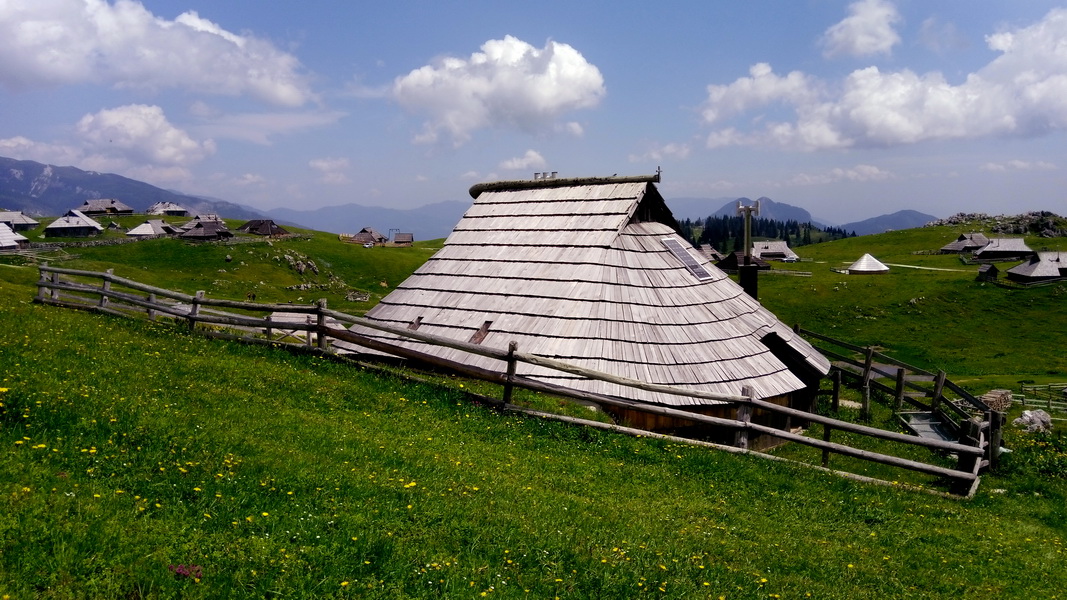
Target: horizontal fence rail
<point>322,328</point>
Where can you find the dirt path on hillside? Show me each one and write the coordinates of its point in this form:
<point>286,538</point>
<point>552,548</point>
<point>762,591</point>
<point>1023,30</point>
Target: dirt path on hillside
<point>926,268</point>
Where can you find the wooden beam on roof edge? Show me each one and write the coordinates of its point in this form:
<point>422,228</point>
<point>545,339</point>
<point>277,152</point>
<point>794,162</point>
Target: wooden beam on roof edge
<point>530,184</point>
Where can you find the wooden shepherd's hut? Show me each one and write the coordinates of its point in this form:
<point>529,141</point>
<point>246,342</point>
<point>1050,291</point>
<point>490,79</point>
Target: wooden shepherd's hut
<point>592,272</point>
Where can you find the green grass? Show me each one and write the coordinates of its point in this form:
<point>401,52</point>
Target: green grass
<point>982,335</point>
<point>257,265</point>
<point>128,447</point>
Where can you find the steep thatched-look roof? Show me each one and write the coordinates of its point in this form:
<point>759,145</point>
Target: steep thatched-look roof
<point>578,270</point>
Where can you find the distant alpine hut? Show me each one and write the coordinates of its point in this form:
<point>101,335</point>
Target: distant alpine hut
<point>105,206</point>
<point>966,242</point>
<point>167,209</point>
<point>17,220</point>
<point>369,234</point>
<point>710,252</point>
<point>1004,249</point>
<point>263,227</point>
<point>73,224</point>
<point>206,231</point>
<point>11,239</point>
<point>1044,266</point>
<point>153,228</point>
<point>775,250</point>
<point>988,272</point>
<point>205,218</point>
<point>403,239</point>
<point>867,265</point>
<point>732,261</point>
<point>592,272</point>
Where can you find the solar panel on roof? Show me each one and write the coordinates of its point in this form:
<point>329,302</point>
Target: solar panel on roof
<point>687,259</point>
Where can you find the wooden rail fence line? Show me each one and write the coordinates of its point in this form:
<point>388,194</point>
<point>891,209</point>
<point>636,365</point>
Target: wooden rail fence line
<point>321,325</point>
<point>912,385</point>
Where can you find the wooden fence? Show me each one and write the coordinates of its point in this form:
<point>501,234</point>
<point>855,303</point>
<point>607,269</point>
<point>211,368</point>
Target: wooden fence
<point>1050,396</point>
<point>322,329</point>
<point>926,391</point>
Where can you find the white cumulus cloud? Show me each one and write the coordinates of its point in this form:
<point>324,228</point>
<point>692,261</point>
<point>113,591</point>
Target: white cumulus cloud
<point>1018,165</point>
<point>141,134</point>
<point>1022,92</point>
<point>867,30</point>
<point>660,152</point>
<point>508,84</point>
<point>331,170</point>
<point>531,160</point>
<point>859,173</point>
<point>47,43</point>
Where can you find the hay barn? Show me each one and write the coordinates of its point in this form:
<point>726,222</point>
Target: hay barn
<point>593,272</point>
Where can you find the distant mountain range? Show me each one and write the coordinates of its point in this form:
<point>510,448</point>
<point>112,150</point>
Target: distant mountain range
<point>426,222</point>
<point>47,190</point>
<point>902,219</point>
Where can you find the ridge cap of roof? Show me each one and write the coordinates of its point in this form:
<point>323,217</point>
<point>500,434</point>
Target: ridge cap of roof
<point>527,184</point>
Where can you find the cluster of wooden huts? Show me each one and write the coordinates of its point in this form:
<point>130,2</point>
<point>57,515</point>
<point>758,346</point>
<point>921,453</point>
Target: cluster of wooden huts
<point>369,237</point>
<point>84,222</point>
<point>1035,266</point>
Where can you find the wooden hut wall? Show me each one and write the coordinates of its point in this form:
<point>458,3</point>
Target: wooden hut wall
<point>712,433</point>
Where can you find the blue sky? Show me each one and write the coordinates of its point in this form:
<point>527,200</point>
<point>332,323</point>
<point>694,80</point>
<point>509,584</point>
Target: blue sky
<point>848,109</point>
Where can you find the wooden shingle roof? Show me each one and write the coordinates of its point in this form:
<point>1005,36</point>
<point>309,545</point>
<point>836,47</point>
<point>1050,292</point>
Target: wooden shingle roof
<point>96,206</point>
<point>966,242</point>
<point>17,220</point>
<point>9,239</point>
<point>1004,247</point>
<point>577,270</point>
<point>1046,265</point>
<point>74,219</point>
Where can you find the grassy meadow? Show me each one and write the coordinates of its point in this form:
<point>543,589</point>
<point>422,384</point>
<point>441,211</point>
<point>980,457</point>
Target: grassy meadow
<point>138,460</point>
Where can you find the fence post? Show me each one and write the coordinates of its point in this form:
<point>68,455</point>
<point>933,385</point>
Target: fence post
<point>307,321</point>
<point>744,415</point>
<point>269,331</point>
<point>939,387</point>
<point>55,281</point>
<point>826,430</point>
<point>194,310</point>
<point>42,290</point>
<point>321,323</point>
<point>996,437</point>
<point>868,364</point>
<point>836,404</point>
<point>106,287</point>
<point>865,411</point>
<point>900,390</point>
<point>151,312</point>
<point>508,386</point>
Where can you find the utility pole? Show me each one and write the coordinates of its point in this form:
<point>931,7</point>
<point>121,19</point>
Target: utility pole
<point>748,272</point>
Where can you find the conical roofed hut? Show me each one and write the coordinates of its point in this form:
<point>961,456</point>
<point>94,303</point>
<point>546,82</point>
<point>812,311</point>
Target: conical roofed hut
<point>592,272</point>
<point>867,265</point>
